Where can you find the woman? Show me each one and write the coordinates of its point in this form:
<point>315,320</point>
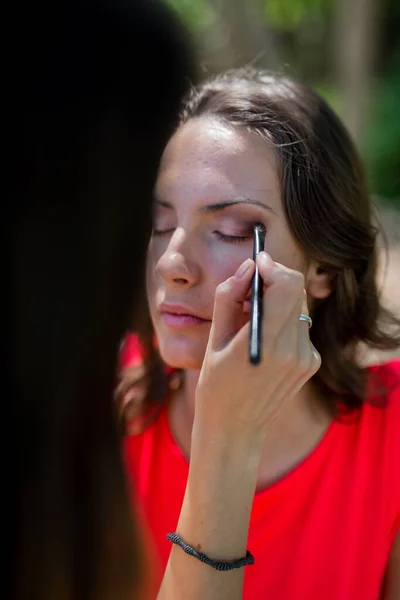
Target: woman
<point>81,167</point>
<point>295,459</point>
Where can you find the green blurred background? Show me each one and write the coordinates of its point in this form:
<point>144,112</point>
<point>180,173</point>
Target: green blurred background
<point>349,50</point>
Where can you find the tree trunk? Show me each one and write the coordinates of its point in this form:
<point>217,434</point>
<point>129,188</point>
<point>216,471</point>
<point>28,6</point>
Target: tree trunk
<point>355,42</point>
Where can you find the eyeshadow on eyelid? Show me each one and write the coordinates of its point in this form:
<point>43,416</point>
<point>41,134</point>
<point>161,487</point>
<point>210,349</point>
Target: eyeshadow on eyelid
<point>246,225</point>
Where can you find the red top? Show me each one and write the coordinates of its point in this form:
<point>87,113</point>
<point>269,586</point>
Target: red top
<point>322,532</point>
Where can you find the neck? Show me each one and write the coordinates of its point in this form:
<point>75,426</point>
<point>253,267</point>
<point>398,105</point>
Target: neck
<point>290,439</point>
<point>182,409</point>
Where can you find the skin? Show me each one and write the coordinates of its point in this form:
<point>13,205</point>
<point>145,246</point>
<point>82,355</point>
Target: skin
<point>251,426</point>
<point>208,163</point>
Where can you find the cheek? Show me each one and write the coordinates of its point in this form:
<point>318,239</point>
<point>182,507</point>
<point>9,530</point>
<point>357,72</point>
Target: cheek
<point>151,262</point>
<point>283,249</point>
<point>217,261</point>
<point>149,282</point>
<point>224,263</point>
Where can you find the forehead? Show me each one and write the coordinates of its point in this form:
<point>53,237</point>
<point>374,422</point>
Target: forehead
<point>207,159</point>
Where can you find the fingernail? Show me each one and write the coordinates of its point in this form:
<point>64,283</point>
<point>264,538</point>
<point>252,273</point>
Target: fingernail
<point>265,258</point>
<point>242,270</point>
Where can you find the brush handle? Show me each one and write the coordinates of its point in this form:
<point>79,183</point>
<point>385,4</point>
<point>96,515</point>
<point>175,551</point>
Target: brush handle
<point>256,301</point>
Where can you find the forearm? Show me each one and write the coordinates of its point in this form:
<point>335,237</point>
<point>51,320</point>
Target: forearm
<point>214,520</point>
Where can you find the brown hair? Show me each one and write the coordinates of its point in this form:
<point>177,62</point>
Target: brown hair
<point>88,124</point>
<point>329,211</point>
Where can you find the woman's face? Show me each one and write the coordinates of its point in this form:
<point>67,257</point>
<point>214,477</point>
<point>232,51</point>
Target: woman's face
<point>215,182</point>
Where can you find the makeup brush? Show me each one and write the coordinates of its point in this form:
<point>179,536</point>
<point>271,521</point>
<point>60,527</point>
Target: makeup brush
<point>256,299</point>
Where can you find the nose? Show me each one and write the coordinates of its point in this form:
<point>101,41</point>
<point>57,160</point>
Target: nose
<point>177,266</point>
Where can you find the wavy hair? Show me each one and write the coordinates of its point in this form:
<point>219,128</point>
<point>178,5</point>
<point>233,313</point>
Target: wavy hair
<point>329,211</point>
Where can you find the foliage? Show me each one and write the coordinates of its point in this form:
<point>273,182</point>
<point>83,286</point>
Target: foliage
<point>301,33</point>
<point>381,147</point>
<point>197,15</point>
<point>382,140</point>
<point>287,15</point>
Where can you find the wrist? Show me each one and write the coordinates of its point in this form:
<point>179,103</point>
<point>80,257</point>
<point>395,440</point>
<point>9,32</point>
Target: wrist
<point>226,447</point>
<point>219,496</point>
<point>216,458</point>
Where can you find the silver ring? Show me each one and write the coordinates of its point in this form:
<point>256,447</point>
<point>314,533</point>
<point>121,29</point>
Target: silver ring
<point>307,319</point>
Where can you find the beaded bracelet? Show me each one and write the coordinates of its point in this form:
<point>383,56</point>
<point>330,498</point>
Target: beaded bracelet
<point>218,565</point>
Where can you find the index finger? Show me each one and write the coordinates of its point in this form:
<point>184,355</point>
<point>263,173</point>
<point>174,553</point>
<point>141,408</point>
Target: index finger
<point>283,294</point>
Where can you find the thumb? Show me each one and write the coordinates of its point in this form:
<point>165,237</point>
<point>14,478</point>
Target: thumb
<point>228,305</point>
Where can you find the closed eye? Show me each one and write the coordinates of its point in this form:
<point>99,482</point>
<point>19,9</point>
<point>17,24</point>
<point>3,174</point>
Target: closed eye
<point>232,239</point>
<point>163,231</point>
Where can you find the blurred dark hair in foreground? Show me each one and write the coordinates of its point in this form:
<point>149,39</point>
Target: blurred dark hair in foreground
<point>91,89</point>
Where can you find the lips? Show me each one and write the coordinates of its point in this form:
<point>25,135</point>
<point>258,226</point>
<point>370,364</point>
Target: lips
<point>181,317</point>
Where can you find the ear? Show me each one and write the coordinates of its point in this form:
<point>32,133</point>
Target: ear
<point>319,281</point>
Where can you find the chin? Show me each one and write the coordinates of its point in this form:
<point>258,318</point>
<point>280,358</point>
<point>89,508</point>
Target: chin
<point>182,353</point>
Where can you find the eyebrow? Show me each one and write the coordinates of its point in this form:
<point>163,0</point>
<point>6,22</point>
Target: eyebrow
<point>212,208</point>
